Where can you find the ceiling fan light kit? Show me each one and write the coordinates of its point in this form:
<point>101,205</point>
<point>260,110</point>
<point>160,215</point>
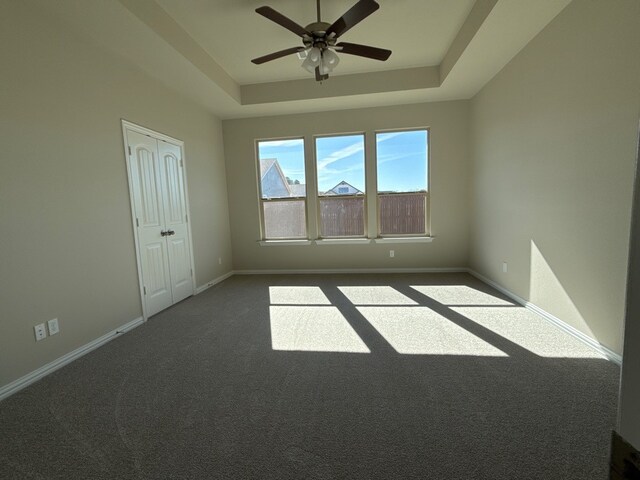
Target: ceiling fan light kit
<point>320,39</point>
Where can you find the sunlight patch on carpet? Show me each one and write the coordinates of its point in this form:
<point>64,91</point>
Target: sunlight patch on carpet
<point>420,330</point>
<point>297,296</point>
<point>459,295</point>
<point>530,331</point>
<point>313,329</point>
<point>375,295</point>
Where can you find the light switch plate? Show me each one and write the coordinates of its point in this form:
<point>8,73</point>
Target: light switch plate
<point>53,326</point>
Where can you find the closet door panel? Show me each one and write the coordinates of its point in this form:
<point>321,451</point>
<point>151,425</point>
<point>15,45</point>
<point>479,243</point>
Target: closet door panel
<point>175,208</point>
<point>148,190</point>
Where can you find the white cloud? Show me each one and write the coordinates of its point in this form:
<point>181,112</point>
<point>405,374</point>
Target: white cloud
<point>383,137</point>
<point>339,155</point>
<point>395,156</point>
<point>294,142</point>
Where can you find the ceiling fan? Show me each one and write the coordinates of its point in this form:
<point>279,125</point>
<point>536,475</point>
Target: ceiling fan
<point>320,39</point>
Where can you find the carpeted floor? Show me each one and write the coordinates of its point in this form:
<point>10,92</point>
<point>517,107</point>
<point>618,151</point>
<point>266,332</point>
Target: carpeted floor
<point>323,377</point>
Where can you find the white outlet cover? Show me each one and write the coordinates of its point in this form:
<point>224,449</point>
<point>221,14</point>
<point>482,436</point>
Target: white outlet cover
<point>504,267</point>
<point>392,253</point>
<point>40,332</point>
<point>53,326</point>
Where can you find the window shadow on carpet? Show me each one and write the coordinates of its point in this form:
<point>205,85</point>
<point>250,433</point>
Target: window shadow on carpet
<point>324,377</point>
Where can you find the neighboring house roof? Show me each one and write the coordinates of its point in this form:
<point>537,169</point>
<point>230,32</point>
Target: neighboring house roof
<point>352,189</point>
<point>265,165</point>
<point>272,164</point>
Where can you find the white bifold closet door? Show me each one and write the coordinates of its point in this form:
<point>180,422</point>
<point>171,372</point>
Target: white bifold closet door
<point>161,219</point>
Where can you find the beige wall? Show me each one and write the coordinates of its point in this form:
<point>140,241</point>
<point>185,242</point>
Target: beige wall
<point>67,242</point>
<point>449,188</point>
<point>553,141</point>
<point>629,418</point>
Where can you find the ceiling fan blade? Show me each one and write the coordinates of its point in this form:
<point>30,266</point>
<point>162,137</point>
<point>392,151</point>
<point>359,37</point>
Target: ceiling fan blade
<point>274,55</point>
<point>281,20</point>
<point>363,50</point>
<point>319,77</point>
<point>352,17</point>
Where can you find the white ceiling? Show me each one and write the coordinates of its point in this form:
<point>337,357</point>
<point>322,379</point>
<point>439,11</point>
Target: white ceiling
<point>442,49</point>
<point>418,32</point>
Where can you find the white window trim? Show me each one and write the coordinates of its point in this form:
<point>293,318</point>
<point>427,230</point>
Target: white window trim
<point>416,239</point>
<point>283,243</point>
<point>318,197</point>
<point>411,237</point>
<point>343,241</point>
<point>312,199</point>
<point>262,200</point>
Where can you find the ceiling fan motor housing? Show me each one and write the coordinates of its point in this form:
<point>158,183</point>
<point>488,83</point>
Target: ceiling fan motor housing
<point>318,36</point>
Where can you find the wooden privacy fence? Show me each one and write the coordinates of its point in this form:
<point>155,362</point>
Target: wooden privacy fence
<point>342,216</point>
<point>398,214</point>
<point>402,213</point>
<point>284,219</point>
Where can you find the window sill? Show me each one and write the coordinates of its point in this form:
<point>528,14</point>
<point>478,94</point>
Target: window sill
<point>343,241</point>
<point>404,240</point>
<point>283,243</point>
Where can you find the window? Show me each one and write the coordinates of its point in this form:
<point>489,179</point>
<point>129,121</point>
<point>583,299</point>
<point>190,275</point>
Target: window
<point>282,189</point>
<point>341,185</point>
<point>339,203</point>
<point>403,179</point>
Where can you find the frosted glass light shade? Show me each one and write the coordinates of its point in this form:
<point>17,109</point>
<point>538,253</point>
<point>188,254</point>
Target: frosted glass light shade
<point>313,60</point>
<point>330,58</point>
<point>328,62</point>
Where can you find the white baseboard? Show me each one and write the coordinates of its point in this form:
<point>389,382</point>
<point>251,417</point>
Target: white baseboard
<point>210,284</point>
<point>586,339</point>
<point>350,270</point>
<point>19,384</point>
<point>60,362</point>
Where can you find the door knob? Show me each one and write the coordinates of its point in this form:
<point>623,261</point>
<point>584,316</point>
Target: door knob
<point>164,233</point>
<point>171,232</point>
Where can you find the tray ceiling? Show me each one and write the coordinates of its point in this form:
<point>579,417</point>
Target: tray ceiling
<point>442,49</point>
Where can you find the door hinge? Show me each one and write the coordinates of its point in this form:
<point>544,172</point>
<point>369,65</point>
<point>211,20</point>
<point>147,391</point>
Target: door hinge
<point>137,223</point>
<point>129,150</point>
<point>186,218</point>
<point>181,164</point>
<point>145,290</point>
<point>192,272</point>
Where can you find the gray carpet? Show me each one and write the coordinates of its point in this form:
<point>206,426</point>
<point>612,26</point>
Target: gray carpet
<point>199,392</point>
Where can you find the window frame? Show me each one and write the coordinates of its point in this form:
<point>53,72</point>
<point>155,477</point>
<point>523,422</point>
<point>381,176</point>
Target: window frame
<point>318,197</point>
<point>262,200</point>
<point>427,194</point>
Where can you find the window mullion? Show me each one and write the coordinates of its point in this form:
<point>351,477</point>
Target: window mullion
<point>371,181</point>
<point>312,188</point>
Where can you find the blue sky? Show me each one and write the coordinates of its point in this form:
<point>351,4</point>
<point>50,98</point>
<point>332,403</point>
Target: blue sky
<point>340,158</point>
<point>401,159</point>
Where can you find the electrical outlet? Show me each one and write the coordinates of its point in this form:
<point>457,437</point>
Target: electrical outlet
<point>392,253</point>
<point>53,326</point>
<point>40,331</point>
<point>504,267</point>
